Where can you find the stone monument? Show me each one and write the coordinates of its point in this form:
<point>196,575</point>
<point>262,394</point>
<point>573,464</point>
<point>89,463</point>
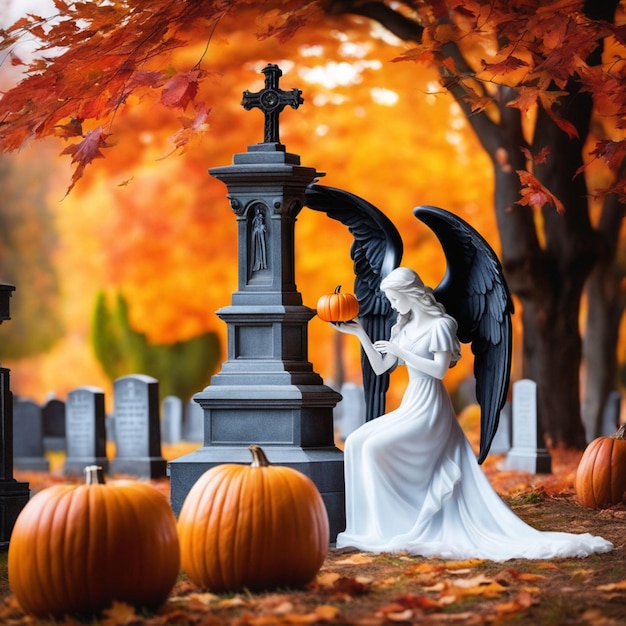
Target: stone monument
<point>267,392</point>
<point>14,494</point>
<point>529,452</point>
<point>85,430</point>
<point>137,427</point>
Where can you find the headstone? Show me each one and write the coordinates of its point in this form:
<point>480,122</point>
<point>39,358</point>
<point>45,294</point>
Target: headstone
<point>172,422</point>
<point>85,431</point>
<point>109,423</point>
<point>611,414</point>
<point>194,423</point>
<point>528,453</point>
<point>53,419</point>
<point>352,409</point>
<point>501,442</point>
<point>137,427</point>
<point>28,449</point>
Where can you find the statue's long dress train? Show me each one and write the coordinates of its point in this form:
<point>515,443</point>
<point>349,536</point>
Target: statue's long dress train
<point>413,483</point>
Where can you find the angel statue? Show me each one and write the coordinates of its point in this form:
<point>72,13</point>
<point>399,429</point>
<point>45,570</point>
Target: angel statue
<point>413,483</point>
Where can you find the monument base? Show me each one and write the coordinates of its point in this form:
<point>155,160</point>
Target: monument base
<point>76,466</point>
<point>533,461</point>
<point>144,467</point>
<point>13,498</point>
<point>324,466</point>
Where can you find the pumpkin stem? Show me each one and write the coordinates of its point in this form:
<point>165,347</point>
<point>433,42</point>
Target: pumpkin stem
<point>621,432</point>
<point>94,475</point>
<point>258,457</point>
<point>337,288</point>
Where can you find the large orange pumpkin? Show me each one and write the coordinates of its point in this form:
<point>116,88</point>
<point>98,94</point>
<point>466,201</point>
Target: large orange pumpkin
<point>258,527</point>
<point>337,307</point>
<point>601,473</point>
<point>77,548</point>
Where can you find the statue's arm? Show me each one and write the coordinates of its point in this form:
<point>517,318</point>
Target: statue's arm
<point>436,365</point>
<point>380,362</point>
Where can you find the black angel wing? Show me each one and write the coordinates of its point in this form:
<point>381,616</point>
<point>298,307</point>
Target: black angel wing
<point>376,250</point>
<point>475,293</point>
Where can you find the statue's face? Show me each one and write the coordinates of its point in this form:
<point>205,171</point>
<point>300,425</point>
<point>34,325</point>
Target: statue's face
<point>399,301</point>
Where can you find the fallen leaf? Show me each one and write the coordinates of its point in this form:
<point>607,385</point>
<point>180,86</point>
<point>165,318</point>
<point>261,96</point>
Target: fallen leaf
<point>357,559</point>
<point>404,616</point>
<point>531,577</point>
<point>613,586</point>
<point>119,614</point>
<point>327,579</point>
<point>521,602</point>
<point>230,602</point>
<point>469,563</point>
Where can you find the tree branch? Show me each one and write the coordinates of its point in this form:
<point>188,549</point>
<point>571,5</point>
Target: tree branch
<point>400,25</point>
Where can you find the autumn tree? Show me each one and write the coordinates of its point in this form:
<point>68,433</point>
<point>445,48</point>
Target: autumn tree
<point>547,57</point>
<point>535,80</point>
<point>27,245</point>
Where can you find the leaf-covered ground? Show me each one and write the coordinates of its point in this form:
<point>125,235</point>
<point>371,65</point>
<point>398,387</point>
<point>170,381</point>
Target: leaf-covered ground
<point>370,590</point>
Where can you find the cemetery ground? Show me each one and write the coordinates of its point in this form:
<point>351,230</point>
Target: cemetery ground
<point>373,590</point>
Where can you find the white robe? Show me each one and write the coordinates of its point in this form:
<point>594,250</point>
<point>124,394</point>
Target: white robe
<point>413,483</point>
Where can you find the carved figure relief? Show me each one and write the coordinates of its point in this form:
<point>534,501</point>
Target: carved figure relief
<point>259,240</point>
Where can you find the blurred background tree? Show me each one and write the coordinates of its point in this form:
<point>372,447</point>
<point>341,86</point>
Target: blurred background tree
<point>182,367</point>
<point>28,242</point>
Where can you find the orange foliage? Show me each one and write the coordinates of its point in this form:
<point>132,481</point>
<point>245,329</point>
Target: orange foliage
<point>161,231</point>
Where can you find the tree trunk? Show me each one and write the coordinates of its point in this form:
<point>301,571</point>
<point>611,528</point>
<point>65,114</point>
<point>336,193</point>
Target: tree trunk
<point>546,257</point>
<point>546,264</point>
<point>605,305</point>
<point>606,300</point>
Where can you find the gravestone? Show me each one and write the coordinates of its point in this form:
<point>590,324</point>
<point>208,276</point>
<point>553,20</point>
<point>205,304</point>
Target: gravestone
<point>85,431</point>
<point>14,494</point>
<point>109,423</point>
<point>53,420</point>
<point>172,422</point>
<point>352,409</point>
<point>193,428</point>
<point>137,427</point>
<point>501,442</point>
<point>28,448</point>
<point>528,453</point>
<point>611,414</point>
<point>267,392</point>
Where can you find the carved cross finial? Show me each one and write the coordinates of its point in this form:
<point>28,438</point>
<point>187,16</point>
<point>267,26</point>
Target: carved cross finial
<point>272,101</point>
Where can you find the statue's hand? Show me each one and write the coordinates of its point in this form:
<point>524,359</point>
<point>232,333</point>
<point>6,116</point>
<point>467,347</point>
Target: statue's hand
<point>385,347</point>
<point>352,327</point>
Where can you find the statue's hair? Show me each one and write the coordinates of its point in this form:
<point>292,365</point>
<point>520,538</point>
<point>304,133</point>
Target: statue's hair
<point>407,282</point>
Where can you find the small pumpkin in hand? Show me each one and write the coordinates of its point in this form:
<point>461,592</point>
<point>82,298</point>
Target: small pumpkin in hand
<point>337,307</point>
<point>257,526</point>
<point>601,473</point>
<point>75,549</point>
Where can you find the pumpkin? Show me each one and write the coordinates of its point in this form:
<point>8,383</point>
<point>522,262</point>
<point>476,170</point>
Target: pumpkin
<point>75,549</point>
<point>601,473</point>
<point>257,526</point>
<point>337,307</point>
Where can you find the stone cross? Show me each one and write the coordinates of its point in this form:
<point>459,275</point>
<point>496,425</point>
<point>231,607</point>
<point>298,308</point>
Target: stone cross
<point>272,101</point>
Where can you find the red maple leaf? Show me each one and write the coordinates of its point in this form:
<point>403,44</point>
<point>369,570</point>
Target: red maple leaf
<point>541,156</point>
<point>181,89</point>
<point>505,66</point>
<point>533,193</point>
<point>190,128</point>
<point>612,152</point>
<point>84,152</point>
